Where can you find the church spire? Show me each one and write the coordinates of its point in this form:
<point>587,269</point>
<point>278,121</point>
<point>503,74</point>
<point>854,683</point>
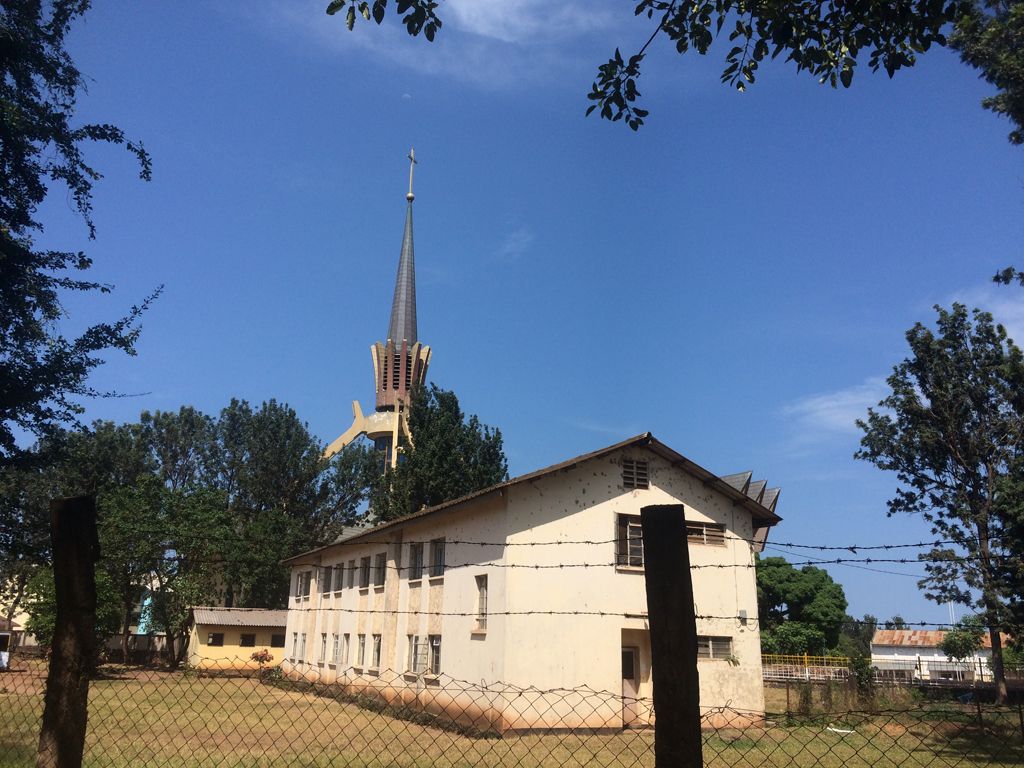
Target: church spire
<point>403,308</point>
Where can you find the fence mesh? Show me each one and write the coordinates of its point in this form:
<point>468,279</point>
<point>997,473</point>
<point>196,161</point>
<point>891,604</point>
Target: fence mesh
<point>260,717</point>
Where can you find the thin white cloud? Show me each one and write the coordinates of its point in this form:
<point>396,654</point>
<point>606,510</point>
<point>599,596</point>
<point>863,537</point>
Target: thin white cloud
<point>528,22</point>
<point>514,245</point>
<point>822,416</point>
<point>620,431</point>
<point>1004,303</point>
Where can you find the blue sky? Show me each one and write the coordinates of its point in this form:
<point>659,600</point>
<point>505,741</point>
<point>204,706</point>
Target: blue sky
<point>736,278</point>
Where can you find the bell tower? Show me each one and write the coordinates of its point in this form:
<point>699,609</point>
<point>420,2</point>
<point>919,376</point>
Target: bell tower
<point>399,363</point>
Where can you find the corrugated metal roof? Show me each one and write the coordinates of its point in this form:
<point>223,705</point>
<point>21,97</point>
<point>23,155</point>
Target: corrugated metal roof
<point>240,617</point>
<point>763,516</point>
<point>922,638</point>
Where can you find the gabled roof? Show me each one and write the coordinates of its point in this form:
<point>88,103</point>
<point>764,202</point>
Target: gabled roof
<point>763,516</point>
<point>240,617</point>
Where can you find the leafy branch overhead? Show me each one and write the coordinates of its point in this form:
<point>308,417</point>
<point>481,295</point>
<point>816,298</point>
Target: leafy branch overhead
<point>823,38</point>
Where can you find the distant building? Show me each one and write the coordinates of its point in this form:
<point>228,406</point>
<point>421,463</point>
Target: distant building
<point>226,638</point>
<point>906,655</point>
<point>462,592</point>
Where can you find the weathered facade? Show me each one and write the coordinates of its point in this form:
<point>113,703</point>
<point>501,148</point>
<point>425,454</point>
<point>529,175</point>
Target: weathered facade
<point>476,590</point>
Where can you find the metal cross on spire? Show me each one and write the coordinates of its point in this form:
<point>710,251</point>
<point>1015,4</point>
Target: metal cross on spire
<point>412,163</point>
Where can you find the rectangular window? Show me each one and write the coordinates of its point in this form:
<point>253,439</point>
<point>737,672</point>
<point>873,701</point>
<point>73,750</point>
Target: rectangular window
<point>339,576</point>
<point>277,641</point>
<point>334,647</point>
<point>379,564</point>
<point>481,602</point>
<point>364,572</point>
<point>375,664</point>
<point>215,638</point>
<point>295,646</point>
<point>435,655</point>
<point>323,647</point>
<point>303,584</point>
<point>714,647</point>
<point>297,592</point>
<point>629,542</point>
<point>247,640</point>
<point>302,647</point>
<point>437,557</point>
<point>344,648</point>
<point>635,474</point>
<point>417,654</point>
<point>361,658</point>
<point>416,561</point>
<point>326,574</point>
<point>705,533</point>
<point>351,573</point>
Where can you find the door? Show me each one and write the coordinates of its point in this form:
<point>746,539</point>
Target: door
<point>630,686</point>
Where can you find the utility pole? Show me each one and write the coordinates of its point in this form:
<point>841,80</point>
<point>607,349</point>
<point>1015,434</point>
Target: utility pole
<point>673,627</point>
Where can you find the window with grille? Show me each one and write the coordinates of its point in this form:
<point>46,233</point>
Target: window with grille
<point>416,560</point>
<point>247,640</point>
<point>481,602</point>
<point>714,647</point>
<point>215,638</point>
<point>295,645</point>
<point>437,557</point>
<point>351,573</point>
<point>344,648</point>
<point>435,654</point>
<point>277,641</point>
<point>364,572</point>
<point>417,654</point>
<point>629,542</point>
<point>339,577</point>
<point>379,564</point>
<point>705,533</point>
<point>375,663</point>
<point>635,474</point>
<point>327,573</point>
<point>361,657</point>
<point>323,647</point>
<point>334,647</point>
<point>302,646</point>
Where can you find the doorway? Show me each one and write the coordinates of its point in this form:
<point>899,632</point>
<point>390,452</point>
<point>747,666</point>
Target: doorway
<point>630,686</point>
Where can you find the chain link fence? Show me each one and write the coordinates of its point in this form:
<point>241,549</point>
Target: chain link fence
<point>253,716</point>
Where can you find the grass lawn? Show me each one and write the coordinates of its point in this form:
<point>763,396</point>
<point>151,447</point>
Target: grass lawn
<point>154,718</point>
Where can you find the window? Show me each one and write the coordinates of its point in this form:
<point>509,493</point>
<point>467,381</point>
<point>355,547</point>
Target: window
<point>351,573</point>
<point>705,533</point>
<point>481,602</point>
<point>334,647</point>
<point>248,640</point>
<point>339,576</point>
<point>361,658</point>
<point>417,653</point>
<point>379,563</point>
<point>295,645</point>
<point>323,647</point>
<point>302,647</point>
<point>326,574</point>
<point>364,573</point>
<point>435,654</point>
<point>215,638</point>
<point>714,647</point>
<point>344,649</point>
<point>629,542</point>
<point>277,641</point>
<point>302,583</point>
<point>437,557</point>
<point>416,561</point>
<point>375,663</point>
<point>635,474</point>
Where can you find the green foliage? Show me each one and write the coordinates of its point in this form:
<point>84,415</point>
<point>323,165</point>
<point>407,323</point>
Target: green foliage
<point>41,371</point>
<point>855,636</point>
<point>451,456</point>
<point>41,606</point>
<point>962,641</point>
<point>952,430</point>
<point>863,677</point>
<point>801,611</point>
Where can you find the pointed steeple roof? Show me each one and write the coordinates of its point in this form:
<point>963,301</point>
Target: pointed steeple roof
<point>403,308</point>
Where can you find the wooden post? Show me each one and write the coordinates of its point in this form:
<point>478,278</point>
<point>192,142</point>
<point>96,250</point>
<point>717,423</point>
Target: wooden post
<point>75,552</point>
<point>670,615</point>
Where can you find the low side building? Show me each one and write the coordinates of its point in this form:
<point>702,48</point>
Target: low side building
<point>914,655</point>
<point>226,638</point>
<point>514,607</point>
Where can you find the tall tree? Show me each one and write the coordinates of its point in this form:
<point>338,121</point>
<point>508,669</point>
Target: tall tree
<point>42,373</point>
<point>450,457</point>
<point>856,636</point>
<point>952,429</point>
<point>800,610</point>
<point>821,38</point>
